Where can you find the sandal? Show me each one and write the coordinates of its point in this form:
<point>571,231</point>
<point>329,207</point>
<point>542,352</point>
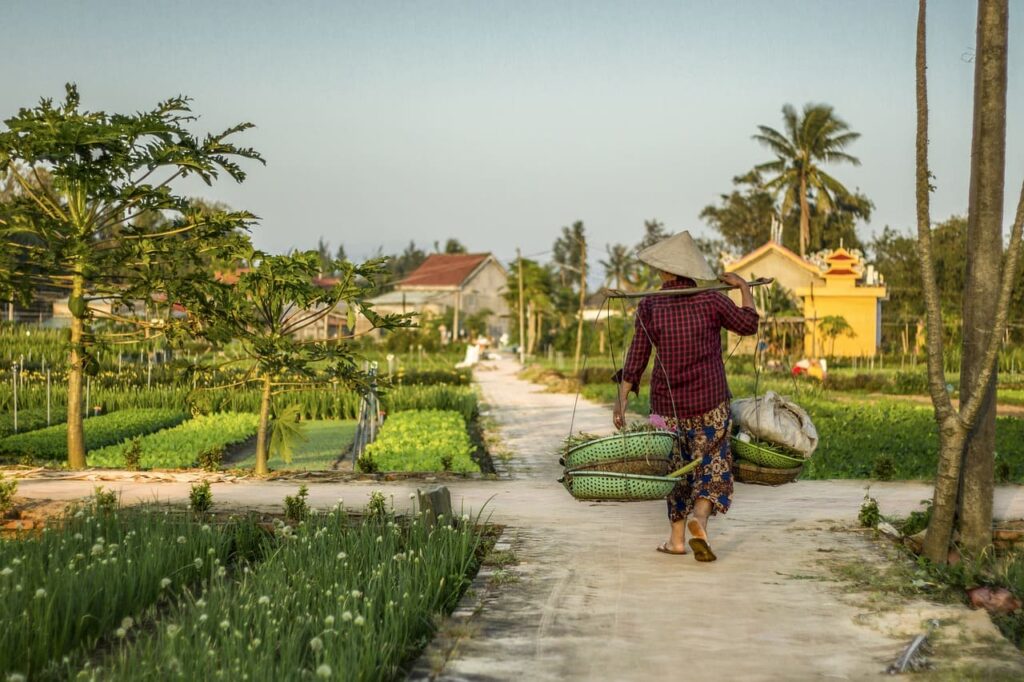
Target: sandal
<point>699,542</point>
<point>664,549</point>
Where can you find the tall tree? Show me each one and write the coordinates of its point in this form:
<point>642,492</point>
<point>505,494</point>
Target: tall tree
<point>744,216</point>
<point>454,246</point>
<point>986,260</point>
<point>620,268</point>
<point>271,302</point>
<point>566,253</point>
<point>811,138</point>
<point>654,232</point>
<point>538,285</point>
<point>108,170</point>
<point>323,251</point>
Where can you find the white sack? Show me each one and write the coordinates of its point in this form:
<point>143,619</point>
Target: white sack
<point>774,419</point>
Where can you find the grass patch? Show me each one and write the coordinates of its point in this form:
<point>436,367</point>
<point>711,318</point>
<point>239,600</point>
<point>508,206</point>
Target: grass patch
<point>326,440</point>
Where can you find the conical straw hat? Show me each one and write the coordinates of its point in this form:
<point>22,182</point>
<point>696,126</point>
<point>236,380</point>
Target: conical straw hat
<point>678,255</point>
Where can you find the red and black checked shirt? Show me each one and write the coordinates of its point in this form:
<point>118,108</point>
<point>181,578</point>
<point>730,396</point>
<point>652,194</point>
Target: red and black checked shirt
<point>688,378</point>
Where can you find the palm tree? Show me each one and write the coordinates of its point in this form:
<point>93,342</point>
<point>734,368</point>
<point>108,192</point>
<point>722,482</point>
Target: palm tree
<point>620,269</point>
<point>817,136</point>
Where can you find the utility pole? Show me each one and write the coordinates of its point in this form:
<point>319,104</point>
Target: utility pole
<point>583,300</point>
<point>522,317</point>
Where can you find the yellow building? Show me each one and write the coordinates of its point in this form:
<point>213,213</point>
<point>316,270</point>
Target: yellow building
<point>851,291</point>
<point>836,283</point>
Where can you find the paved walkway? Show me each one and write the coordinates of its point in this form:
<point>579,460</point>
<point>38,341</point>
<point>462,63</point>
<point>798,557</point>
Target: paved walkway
<point>596,602</point>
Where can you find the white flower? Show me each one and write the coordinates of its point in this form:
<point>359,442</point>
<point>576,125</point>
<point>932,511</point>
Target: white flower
<point>16,677</point>
<point>264,600</point>
<point>127,622</point>
<point>359,620</point>
<point>380,538</point>
<point>341,556</point>
<point>198,562</point>
<point>121,633</point>
<point>40,593</point>
<point>165,582</point>
<point>356,594</point>
<point>201,604</point>
<point>465,517</point>
<point>316,644</point>
<point>221,571</point>
<point>224,625</point>
<point>78,536</point>
<point>96,550</point>
<point>6,572</point>
<point>347,616</point>
<point>203,618</point>
<point>329,621</point>
<point>323,671</point>
<point>206,528</point>
<point>173,630</point>
<point>181,539</point>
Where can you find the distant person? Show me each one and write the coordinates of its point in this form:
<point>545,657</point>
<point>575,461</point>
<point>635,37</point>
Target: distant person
<point>689,393</point>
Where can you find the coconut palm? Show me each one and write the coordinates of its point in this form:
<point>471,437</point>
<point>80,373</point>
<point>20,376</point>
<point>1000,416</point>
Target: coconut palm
<point>620,269</point>
<point>812,138</point>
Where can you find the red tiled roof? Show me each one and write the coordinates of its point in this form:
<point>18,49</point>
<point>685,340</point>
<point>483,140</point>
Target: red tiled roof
<point>444,270</point>
<point>840,271</point>
<point>840,255</point>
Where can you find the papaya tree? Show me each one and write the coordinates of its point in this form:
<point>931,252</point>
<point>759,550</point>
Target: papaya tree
<point>264,307</point>
<point>84,233</point>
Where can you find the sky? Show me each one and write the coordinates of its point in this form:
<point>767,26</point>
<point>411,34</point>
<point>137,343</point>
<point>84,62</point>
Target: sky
<point>497,123</point>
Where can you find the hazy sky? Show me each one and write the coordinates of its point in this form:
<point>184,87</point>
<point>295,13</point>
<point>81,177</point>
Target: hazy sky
<point>499,122</point>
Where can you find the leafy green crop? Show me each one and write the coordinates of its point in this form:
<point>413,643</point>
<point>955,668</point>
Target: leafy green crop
<point>107,429</point>
<point>421,440</point>
<point>30,420</point>
<point>180,446</point>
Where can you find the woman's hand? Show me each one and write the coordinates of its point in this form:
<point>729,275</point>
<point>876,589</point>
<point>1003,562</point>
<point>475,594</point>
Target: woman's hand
<point>619,415</point>
<point>733,280</point>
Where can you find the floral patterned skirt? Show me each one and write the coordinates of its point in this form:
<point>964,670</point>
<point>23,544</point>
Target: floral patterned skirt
<point>704,437</point>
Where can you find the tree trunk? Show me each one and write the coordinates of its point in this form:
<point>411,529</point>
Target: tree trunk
<point>947,484</point>
<point>531,329</point>
<point>76,372</point>
<point>805,217</point>
<point>262,433</point>
<point>984,266</point>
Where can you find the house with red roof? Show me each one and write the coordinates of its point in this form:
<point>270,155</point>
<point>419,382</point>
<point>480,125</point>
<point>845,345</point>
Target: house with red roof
<point>468,284</point>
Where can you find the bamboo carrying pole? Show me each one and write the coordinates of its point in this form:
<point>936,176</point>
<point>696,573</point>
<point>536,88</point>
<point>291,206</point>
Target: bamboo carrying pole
<point>616,293</point>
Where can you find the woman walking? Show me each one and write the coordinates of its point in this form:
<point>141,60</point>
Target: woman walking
<point>689,393</point>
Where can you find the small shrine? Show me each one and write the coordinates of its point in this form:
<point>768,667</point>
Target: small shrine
<point>852,290</point>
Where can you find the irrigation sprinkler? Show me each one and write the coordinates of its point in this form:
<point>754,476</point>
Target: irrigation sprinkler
<point>47,397</point>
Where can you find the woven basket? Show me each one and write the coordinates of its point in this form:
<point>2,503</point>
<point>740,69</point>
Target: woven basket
<point>763,456</point>
<point>621,446</point>
<point>641,467</point>
<point>748,472</point>
<point>606,485</point>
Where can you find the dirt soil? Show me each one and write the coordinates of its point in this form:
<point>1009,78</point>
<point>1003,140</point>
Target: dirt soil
<point>590,599</point>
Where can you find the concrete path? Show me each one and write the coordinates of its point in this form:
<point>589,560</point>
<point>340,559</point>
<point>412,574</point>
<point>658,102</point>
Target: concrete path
<point>596,602</point>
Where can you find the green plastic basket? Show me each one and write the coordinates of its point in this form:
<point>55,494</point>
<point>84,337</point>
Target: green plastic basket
<point>621,446</point>
<point>606,485</point>
<point>763,456</point>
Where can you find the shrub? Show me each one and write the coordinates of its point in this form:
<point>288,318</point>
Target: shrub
<point>884,469</point>
<point>296,508</point>
<point>104,500</point>
<point>133,454</point>
<point>200,497</point>
<point>211,458</point>
<point>8,488</point>
<point>869,515</point>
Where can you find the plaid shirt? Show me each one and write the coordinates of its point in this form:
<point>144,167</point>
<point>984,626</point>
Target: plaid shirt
<point>688,378</point>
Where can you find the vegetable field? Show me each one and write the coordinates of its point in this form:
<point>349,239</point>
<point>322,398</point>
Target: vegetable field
<point>180,446</point>
<point>108,429</point>
<point>421,440</point>
<point>147,594</point>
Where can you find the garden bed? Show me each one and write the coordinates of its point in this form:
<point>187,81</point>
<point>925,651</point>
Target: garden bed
<point>108,429</point>
<point>330,596</point>
<point>180,447</point>
<point>421,440</point>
